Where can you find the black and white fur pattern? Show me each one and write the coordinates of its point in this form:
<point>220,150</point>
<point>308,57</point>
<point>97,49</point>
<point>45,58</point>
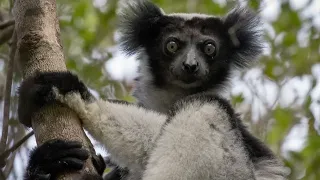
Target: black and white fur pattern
<point>188,144</point>
<point>201,136</point>
<point>180,129</point>
<point>144,29</point>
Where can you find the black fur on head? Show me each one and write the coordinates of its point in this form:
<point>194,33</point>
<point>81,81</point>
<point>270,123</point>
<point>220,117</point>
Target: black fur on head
<point>245,34</point>
<point>236,41</point>
<point>138,24</point>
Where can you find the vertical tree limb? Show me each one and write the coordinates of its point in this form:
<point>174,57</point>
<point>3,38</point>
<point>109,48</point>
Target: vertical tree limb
<point>39,50</point>
<point>6,108</point>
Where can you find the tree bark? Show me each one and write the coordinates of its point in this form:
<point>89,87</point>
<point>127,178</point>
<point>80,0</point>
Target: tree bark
<point>39,50</point>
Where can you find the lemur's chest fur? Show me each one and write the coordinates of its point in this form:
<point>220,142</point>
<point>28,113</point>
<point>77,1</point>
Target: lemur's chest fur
<point>156,99</point>
<point>161,99</point>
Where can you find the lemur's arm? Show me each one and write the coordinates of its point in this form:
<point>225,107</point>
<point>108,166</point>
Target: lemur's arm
<point>127,131</point>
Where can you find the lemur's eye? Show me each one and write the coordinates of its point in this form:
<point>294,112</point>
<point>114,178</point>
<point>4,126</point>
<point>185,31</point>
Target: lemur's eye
<point>209,48</point>
<point>172,46</point>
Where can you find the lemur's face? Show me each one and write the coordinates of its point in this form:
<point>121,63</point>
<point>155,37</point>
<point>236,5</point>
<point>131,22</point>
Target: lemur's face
<point>189,53</point>
<point>190,50</point>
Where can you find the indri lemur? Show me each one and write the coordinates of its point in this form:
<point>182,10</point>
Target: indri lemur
<point>181,127</point>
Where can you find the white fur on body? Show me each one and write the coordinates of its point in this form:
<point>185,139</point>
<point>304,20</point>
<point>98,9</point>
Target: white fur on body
<point>131,133</point>
<point>270,169</point>
<point>199,143</point>
<point>160,100</point>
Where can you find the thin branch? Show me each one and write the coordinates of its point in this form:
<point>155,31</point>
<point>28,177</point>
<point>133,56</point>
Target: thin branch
<point>7,96</point>
<point>6,24</point>
<point>1,85</point>
<point>9,165</point>
<point>5,154</point>
<point>19,134</point>
<point>6,34</point>
<point>19,143</point>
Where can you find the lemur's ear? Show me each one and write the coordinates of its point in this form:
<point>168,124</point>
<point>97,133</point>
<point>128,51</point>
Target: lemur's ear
<point>137,26</point>
<point>245,33</point>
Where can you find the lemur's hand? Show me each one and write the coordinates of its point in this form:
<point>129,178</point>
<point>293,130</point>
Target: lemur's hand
<point>58,156</point>
<point>55,157</point>
<point>40,90</point>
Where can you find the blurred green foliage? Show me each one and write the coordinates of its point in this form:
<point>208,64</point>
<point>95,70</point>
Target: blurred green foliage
<point>87,29</point>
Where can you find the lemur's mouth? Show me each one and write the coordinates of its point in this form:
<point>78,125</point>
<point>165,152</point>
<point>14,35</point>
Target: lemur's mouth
<point>187,84</point>
<point>188,78</point>
<point>187,81</point>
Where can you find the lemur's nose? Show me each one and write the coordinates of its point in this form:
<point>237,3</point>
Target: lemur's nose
<point>190,67</point>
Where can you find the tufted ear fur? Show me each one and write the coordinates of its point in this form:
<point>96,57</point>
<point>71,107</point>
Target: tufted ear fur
<point>138,24</point>
<point>245,34</point>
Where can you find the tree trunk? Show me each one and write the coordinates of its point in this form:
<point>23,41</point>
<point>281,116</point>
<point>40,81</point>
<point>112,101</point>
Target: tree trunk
<point>39,50</point>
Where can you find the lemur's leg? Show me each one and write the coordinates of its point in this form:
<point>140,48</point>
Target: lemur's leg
<point>200,141</point>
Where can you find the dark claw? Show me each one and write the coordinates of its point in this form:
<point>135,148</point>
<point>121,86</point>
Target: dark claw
<point>78,153</point>
<point>67,163</point>
<point>43,177</point>
<point>99,163</point>
<point>116,174</point>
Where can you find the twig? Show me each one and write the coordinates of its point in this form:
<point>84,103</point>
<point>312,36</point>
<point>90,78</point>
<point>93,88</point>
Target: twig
<point>18,144</point>
<point>19,134</point>
<point>7,96</point>
<point>15,146</point>
<point>6,24</point>
<point>9,165</point>
<point>1,85</point>
<point>6,34</point>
